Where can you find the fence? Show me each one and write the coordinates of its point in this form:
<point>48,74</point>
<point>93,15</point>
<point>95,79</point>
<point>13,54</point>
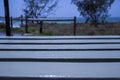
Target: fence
<point>41,20</point>
<point>69,29</point>
<point>44,20</point>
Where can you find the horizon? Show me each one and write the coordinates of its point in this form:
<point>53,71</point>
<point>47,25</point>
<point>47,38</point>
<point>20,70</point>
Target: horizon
<point>61,11</point>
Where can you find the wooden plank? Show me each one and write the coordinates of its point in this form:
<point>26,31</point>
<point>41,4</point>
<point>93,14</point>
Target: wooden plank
<point>49,69</point>
<point>59,37</point>
<point>59,54</point>
<point>60,41</point>
<point>52,78</point>
<point>72,47</point>
<point>52,19</point>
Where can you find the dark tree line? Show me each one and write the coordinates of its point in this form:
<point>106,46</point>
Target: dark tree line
<point>94,11</point>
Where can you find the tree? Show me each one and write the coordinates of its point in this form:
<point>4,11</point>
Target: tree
<point>94,10</point>
<point>39,8</point>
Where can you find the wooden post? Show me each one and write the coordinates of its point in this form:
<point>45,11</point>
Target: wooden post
<point>11,22</point>
<point>37,21</point>
<point>21,20</point>
<point>26,26</point>
<point>74,26</point>
<point>41,26</point>
<point>7,18</point>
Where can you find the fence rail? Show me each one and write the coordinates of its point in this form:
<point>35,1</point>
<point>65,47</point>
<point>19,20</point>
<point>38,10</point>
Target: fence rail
<point>41,20</point>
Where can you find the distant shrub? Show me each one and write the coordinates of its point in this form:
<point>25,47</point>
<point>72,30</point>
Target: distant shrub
<point>2,25</point>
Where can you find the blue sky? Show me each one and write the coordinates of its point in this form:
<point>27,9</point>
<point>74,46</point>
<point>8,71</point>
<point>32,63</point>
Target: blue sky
<point>64,9</point>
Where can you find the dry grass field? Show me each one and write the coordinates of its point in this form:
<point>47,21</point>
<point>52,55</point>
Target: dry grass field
<point>54,29</point>
<point>57,29</point>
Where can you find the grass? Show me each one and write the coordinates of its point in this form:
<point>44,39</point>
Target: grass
<point>14,30</point>
<point>2,30</point>
<point>54,29</point>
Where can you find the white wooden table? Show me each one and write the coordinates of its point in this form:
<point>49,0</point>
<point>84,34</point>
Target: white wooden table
<point>87,57</point>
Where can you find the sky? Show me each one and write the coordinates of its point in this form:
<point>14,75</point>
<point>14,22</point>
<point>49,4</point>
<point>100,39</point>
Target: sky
<point>64,9</point>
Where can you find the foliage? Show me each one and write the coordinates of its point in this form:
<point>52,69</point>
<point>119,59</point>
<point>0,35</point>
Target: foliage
<point>39,8</point>
<point>93,10</point>
<point>2,25</point>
